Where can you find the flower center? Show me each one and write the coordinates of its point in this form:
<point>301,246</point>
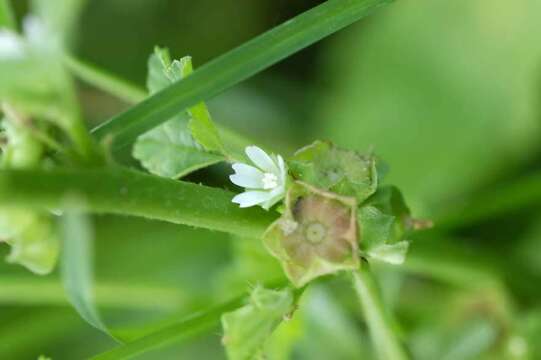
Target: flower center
<point>270,181</point>
<point>315,232</point>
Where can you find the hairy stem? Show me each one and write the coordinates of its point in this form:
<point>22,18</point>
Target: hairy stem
<point>122,191</point>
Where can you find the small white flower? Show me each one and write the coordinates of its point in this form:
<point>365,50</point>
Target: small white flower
<point>265,183</point>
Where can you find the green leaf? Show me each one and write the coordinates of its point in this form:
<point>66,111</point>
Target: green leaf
<point>246,329</point>
<point>328,167</point>
<point>201,124</point>
<point>170,150</point>
<point>236,66</point>
<point>78,266</point>
<point>32,237</point>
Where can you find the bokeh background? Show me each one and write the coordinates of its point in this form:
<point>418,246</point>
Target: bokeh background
<point>448,93</point>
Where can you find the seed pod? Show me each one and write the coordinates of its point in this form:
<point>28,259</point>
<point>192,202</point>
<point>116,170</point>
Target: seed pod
<point>316,235</point>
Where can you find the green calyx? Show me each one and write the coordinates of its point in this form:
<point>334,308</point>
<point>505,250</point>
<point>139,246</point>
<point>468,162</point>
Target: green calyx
<point>316,235</point>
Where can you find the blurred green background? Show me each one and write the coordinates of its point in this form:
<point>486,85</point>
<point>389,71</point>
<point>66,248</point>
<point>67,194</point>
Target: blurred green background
<point>448,93</point>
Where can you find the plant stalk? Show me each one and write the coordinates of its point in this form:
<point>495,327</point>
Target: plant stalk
<point>128,192</point>
<point>379,322</point>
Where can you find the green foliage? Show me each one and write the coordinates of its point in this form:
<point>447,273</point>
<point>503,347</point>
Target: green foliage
<point>384,220</point>
<point>455,298</point>
<point>32,237</point>
<point>201,126</point>
<point>177,147</point>
<point>78,267</point>
<point>328,167</point>
<point>236,66</point>
<point>31,234</point>
<point>246,329</point>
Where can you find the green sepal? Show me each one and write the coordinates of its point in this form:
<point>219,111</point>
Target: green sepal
<point>32,237</point>
<point>384,220</point>
<point>344,172</point>
<point>247,328</point>
<point>316,235</point>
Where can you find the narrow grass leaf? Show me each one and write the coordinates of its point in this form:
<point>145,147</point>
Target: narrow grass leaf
<point>236,66</point>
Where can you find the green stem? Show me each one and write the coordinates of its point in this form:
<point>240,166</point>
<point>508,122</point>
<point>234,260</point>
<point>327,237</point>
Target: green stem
<point>7,18</point>
<point>378,320</point>
<point>122,191</point>
<point>236,66</point>
<point>104,80</point>
<point>33,291</point>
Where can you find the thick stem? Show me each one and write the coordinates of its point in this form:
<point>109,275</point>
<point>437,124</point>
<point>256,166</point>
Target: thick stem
<point>378,319</point>
<point>127,192</point>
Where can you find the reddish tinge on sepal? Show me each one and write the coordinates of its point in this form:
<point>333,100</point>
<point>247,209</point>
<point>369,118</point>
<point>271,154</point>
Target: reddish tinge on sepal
<point>316,235</point>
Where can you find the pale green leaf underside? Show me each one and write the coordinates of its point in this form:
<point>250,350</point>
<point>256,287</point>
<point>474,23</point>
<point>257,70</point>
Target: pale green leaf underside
<point>170,151</point>
<point>77,266</point>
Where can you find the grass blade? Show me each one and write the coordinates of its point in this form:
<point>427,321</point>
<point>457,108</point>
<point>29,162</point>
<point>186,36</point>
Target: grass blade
<point>127,192</point>
<point>236,66</point>
<point>188,327</point>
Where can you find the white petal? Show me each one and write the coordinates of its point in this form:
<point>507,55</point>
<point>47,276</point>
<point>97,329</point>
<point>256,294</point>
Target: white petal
<point>251,198</point>
<point>247,176</point>
<point>261,159</point>
<point>274,196</point>
<point>246,170</point>
<point>11,46</point>
<point>246,181</point>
